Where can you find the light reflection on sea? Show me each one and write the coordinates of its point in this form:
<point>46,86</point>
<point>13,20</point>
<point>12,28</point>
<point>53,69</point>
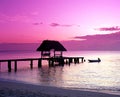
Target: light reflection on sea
<point>92,76</point>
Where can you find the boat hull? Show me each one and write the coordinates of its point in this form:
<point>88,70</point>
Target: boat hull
<point>94,60</point>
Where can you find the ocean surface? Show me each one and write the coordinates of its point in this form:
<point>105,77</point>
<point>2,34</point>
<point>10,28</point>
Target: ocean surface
<point>103,76</point>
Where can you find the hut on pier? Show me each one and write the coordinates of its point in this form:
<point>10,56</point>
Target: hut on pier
<point>48,47</point>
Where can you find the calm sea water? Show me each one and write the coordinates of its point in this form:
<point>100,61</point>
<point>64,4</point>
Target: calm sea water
<point>103,76</point>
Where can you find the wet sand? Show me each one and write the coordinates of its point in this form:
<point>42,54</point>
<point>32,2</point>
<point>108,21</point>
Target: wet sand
<point>19,89</point>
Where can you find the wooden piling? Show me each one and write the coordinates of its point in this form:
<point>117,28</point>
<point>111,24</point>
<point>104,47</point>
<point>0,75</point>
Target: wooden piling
<point>82,59</point>
<point>75,60</point>
<point>70,60</point>
<point>0,65</point>
<point>78,60</point>
<point>9,66</point>
<point>15,66</point>
<point>51,62</point>
<point>61,61</point>
<point>39,63</point>
<point>31,64</point>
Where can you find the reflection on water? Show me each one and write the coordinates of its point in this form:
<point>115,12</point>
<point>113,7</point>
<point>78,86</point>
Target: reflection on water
<point>104,75</point>
<point>50,76</point>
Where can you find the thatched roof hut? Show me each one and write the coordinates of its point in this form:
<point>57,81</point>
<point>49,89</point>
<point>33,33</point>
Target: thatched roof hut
<point>48,45</point>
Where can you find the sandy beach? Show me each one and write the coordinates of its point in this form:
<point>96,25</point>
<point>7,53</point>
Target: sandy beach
<point>18,89</point>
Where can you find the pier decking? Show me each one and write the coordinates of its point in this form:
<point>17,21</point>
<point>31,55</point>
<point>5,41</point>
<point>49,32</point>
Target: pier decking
<point>51,61</point>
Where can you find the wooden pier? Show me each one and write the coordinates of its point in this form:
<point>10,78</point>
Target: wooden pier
<point>51,61</point>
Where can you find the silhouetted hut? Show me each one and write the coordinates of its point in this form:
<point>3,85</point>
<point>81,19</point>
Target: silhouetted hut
<point>48,45</point>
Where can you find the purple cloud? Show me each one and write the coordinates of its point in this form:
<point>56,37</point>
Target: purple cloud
<point>66,25</point>
<point>111,36</point>
<point>60,25</point>
<point>102,42</point>
<point>54,24</point>
<point>97,42</point>
<point>117,28</point>
<point>37,23</point>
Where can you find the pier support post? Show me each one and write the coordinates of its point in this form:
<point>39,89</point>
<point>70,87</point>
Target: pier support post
<point>0,65</point>
<point>61,61</point>
<point>9,66</point>
<point>39,63</point>
<point>15,66</point>
<point>82,59</point>
<point>75,60</point>
<point>31,64</point>
<point>78,60</point>
<point>51,62</point>
<point>70,60</point>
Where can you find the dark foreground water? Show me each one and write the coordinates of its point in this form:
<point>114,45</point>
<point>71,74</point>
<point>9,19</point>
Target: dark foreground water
<point>103,76</point>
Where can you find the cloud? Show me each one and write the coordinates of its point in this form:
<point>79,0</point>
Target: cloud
<point>60,25</point>
<point>117,28</point>
<point>66,25</point>
<point>111,36</point>
<point>96,42</point>
<point>36,23</point>
<point>54,24</point>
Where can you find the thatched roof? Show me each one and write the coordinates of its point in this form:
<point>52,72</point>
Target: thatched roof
<point>47,45</point>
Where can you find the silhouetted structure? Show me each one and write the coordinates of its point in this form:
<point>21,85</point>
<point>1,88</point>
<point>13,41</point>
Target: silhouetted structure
<point>45,48</point>
<point>49,45</point>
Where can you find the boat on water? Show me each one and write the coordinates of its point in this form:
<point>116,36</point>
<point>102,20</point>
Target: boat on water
<point>98,60</point>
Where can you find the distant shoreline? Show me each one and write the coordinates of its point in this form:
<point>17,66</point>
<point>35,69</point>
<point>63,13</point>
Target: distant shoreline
<point>17,89</point>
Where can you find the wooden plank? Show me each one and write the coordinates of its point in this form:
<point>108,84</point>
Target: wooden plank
<point>28,59</point>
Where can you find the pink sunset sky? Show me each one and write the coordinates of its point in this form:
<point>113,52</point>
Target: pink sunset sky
<point>30,21</point>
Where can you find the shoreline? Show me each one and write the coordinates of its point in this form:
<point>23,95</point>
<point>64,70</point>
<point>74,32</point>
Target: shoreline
<point>17,89</point>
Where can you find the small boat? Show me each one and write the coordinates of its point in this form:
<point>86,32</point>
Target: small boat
<point>98,60</point>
